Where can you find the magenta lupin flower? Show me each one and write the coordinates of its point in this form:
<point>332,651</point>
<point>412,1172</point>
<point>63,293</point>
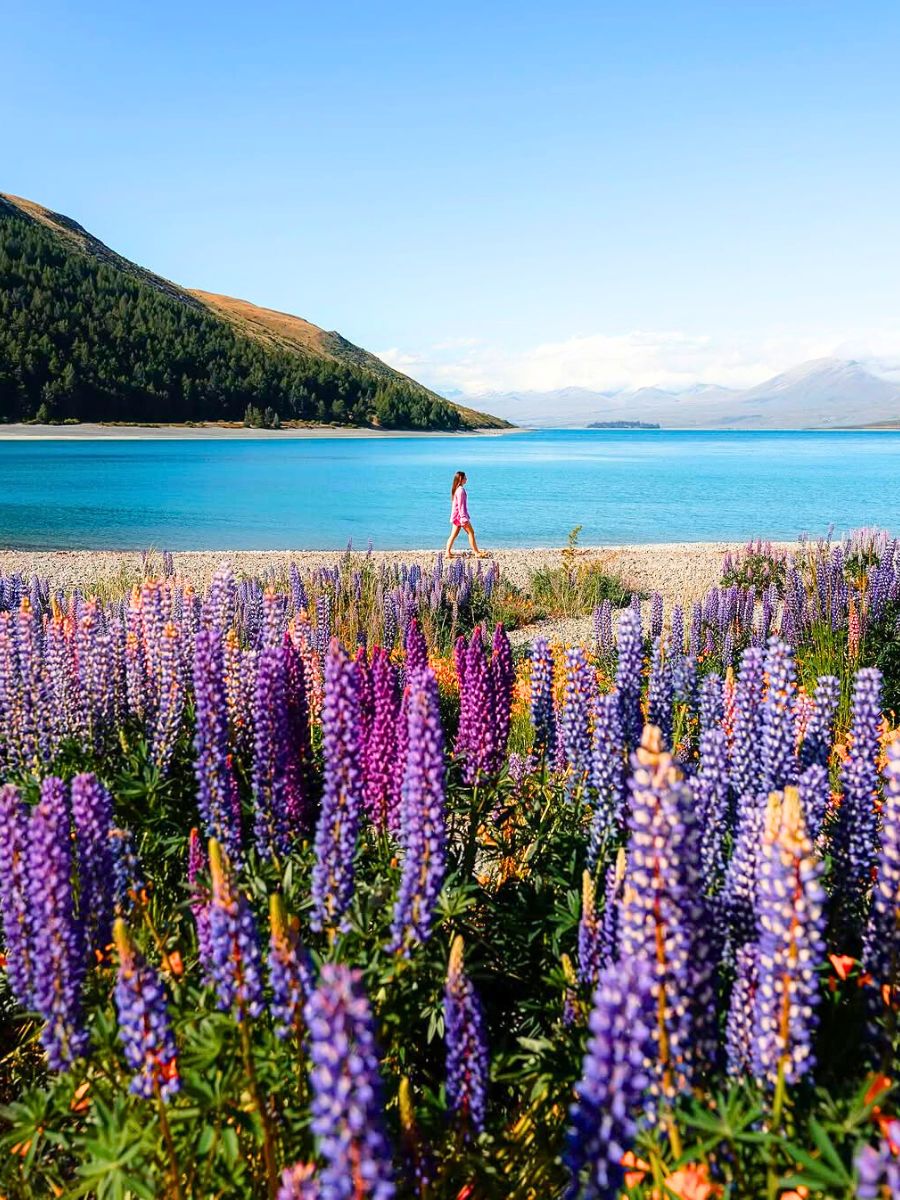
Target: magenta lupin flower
<point>198,866</point>
<point>381,747</point>
<point>342,793</point>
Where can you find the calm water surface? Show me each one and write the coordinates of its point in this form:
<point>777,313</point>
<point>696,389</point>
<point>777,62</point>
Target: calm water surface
<point>524,490</point>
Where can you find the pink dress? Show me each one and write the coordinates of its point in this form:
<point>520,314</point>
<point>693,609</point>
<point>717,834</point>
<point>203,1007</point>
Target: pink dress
<point>459,510</point>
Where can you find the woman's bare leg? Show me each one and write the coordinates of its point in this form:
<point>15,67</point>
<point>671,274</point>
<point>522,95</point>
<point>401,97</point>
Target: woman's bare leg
<point>472,542</point>
<point>454,534</point>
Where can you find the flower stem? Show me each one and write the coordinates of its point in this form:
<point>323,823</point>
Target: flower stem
<point>268,1144</point>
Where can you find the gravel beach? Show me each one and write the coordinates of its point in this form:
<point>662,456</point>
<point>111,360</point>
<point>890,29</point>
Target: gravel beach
<point>679,571</point>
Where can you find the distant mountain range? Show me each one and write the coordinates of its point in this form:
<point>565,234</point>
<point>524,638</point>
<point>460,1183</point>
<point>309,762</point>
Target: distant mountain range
<point>87,335</point>
<point>825,393</point>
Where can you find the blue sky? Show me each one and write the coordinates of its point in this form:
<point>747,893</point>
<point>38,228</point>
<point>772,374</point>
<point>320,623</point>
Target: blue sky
<point>491,195</point>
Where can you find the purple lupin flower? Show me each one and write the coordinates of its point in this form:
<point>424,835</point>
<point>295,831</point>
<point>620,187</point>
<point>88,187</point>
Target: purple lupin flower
<point>299,1182</point>
<point>815,795</point>
<point>778,758</point>
<point>881,946</point>
<point>543,716</point>
<point>878,1167</point>
<point>629,668</point>
<point>57,939</point>
<point>608,1098</point>
<point>234,942</point>
<point>660,691</point>
<point>713,794</point>
<point>791,944</point>
<point>589,935</point>
<point>467,1054</point>
<point>656,616</point>
<point>855,839</point>
<point>423,819</point>
<point>476,737</point>
<point>342,793</point>
<point>607,776</point>
<point>290,972</point>
<point>92,816</point>
<point>272,752</point>
<point>739,1030</point>
<point>381,748</point>
<point>738,898</point>
<point>144,1026</point>
<point>416,649</point>
<point>712,708</point>
<point>664,917</point>
<point>575,726</point>
<point>816,746</point>
<point>171,697</point>
<point>14,894</point>
<point>199,899</point>
<point>217,793</point>
<point>347,1105</point>
<point>748,698</point>
<point>504,677</point>
<point>608,951</point>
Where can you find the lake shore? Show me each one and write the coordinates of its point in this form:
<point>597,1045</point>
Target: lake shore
<point>679,571</point>
<point>139,433</point>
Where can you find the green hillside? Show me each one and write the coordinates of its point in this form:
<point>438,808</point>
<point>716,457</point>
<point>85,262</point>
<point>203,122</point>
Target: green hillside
<point>85,334</point>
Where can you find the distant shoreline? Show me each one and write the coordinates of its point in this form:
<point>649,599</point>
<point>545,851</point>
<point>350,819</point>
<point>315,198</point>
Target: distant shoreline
<point>89,431</point>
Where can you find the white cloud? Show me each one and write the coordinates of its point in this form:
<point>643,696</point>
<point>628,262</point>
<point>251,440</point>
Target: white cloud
<point>669,359</point>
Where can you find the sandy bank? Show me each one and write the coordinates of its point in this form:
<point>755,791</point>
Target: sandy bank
<point>139,433</point>
<point>679,571</point>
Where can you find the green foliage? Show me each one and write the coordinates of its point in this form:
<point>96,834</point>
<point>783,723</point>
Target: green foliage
<point>577,585</point>
<point>82,338</point>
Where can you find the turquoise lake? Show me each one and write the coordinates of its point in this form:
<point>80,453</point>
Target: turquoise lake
<point>524,490</point>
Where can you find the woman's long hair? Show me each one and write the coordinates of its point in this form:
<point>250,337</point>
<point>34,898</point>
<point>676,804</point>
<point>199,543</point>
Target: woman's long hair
<point>457,482</point>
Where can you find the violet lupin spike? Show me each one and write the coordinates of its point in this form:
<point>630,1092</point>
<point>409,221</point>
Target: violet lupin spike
<point>791,944</point>
<point>423,818</point>
<point>747,722</point>
<point>663,906</point>
<point>347,1105</point>
<point>234,942</point>
<point>629,668</point>
<point>739,1030</point>
<point>171,697</point>
<point>574,727</point>
<point>604,1117</point>
<point>778,765</point>
<point>543,716</point>
<point>145,1029</point>
<point>855,838</point>
<point>297,733</point>
<point>467,1055</point>
<point>504,677</point>
<point>92,816</point>
<point>416,649</point>
<point>58,942</point>
<point>881,945</point>
<point>342,794</point>
<point>713,798</point>
<point>290,972</point>
<point>217,794</point>
<point>199,899</point>
<point>271,750</point>
<point>381,749</point>
<point>607,775</point>
<point>660,690</point>
<point>14,894</point>
<point>816,747</point>
<point>589,935</point>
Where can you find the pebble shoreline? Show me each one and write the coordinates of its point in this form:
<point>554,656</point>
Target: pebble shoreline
<point>679,571</point>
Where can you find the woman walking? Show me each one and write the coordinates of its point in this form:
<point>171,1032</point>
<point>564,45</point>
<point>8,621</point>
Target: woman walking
<point>459,516</point>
